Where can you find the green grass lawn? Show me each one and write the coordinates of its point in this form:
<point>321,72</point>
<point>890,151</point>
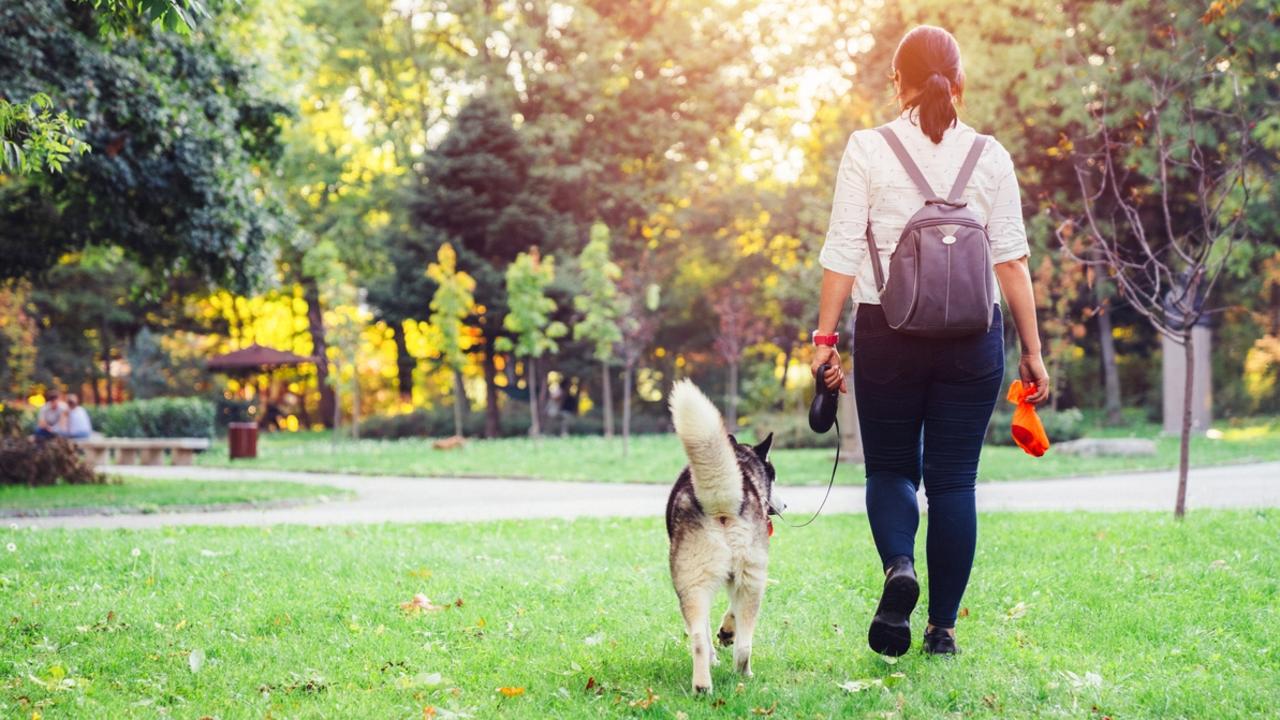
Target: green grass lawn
<point>147,494</point>
<point>1068,615</point>
<point>659,458</point>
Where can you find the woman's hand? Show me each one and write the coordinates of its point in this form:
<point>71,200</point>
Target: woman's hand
<point>1031,370</point>
<point>834,377</point>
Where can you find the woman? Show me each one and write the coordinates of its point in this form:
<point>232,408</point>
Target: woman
<point>923,403</point>
<point>78,424</point>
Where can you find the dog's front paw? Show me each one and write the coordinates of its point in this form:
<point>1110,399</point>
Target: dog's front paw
<point>701,689</point>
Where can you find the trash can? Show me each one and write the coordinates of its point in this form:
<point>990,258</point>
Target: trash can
<point>242,439</point>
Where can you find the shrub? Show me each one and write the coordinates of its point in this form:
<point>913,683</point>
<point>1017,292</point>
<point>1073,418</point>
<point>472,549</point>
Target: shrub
<point>438,422</point>
<point>16,422</point>
<point>1060,426</point>
<point>790,430</point>
<point>24,461</point>
<point>156,418</point>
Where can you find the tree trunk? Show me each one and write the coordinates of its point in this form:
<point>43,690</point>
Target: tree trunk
<point>731,418</point>
<point>459,401</point>
<point>786,365</point>
<point>405,363</point>
<point>106,364</point>
<point>531,382</point>
<point>626,408</point>
<point>492,420</point>
<point>606,390</point>
<point>319,350</point>
<point>355,402</point>
<point>1110,374</point>
<point>1184,452</point>
<point>334,420</point>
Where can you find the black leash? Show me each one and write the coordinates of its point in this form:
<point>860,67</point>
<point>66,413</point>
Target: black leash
<point>834,466</point>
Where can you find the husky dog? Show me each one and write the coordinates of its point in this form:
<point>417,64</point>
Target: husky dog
<point>718,524</point>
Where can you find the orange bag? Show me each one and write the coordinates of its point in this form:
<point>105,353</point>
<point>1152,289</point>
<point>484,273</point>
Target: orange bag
<point>1027,429</point>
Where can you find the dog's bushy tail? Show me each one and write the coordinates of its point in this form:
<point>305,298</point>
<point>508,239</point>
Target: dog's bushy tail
<point>717,479</point>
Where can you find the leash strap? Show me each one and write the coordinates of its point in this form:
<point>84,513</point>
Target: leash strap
<point>834,466</point>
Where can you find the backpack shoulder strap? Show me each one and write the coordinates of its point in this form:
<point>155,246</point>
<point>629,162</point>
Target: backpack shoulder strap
<point>966,170</point>
<point>907,163</point>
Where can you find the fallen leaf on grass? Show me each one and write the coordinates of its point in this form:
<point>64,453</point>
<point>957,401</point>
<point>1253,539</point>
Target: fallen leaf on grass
<point>420,603</point>
<point>511,691</point>
<point>645,702</point>
<point>591,685</point>
<point>1016,611</point>
<point>964,612</point>
<point>765,711</point>
<point>856,686</point>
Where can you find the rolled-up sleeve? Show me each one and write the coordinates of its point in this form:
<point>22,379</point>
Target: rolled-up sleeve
<point>846,246</point>
<point>1005,227</point>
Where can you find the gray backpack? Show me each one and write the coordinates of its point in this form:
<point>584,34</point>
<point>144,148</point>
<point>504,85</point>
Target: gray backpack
<point>940,274</point>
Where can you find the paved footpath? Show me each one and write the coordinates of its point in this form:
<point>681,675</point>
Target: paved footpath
<point>410,499</point>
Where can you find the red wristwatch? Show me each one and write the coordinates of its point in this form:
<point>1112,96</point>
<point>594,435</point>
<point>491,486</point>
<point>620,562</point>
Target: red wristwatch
<point>828,339</point>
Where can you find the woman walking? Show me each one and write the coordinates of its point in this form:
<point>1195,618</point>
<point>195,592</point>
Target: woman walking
<point>924,399</point>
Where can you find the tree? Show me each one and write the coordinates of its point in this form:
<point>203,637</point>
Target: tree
<point>601,307</point>
<point>451,304</point>
<point>88,310</point>
<point>179,138</point>
<point>1163,171</point>
<point>344,329</point>
<point>638,324</point>
<point>738,330</point>
<point>529,320</point>
<point>475,193</point>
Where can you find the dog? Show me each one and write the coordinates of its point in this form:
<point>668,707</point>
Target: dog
<point>719,527</point>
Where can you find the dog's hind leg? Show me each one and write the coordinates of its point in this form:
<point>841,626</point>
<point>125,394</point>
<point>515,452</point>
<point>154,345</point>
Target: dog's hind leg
<point>745,598</point>
<point>695,605</point>
<point>727,625</point>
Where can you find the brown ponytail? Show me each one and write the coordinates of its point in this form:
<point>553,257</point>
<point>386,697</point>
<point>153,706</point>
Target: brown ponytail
<point>927,66</point>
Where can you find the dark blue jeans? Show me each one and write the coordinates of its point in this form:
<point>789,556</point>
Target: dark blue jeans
<point>923,407</point>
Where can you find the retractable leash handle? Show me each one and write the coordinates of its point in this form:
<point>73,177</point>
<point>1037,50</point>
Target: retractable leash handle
<point>822,411</point>
<point>822,415</point>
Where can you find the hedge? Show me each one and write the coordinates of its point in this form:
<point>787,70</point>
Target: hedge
<point>156,418</point>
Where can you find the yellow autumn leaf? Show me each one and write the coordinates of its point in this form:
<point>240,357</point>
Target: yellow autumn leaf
<point>511,691</point>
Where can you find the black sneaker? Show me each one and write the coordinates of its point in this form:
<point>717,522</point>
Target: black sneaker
<point>890,632</point>
<point>939,642</point>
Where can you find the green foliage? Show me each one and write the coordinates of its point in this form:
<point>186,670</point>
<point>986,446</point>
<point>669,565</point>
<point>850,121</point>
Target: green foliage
<point>529,318</point>
<point>178,16</point>
<point>33,138</point>
<point>451,304</point>
<point>15,421</point>
<point>156,418</point>
<point>24,461</point>
<point>599,302</point>
<point>180,137</point>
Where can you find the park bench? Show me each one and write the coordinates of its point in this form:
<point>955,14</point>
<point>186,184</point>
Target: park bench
<point>141,451</point>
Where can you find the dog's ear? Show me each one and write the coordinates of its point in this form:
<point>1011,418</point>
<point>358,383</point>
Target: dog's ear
<point>762,449</point>
<point>732,440</point>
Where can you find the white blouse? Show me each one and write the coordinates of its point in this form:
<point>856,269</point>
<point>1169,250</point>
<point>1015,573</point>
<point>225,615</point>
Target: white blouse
<point>871,179</point>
